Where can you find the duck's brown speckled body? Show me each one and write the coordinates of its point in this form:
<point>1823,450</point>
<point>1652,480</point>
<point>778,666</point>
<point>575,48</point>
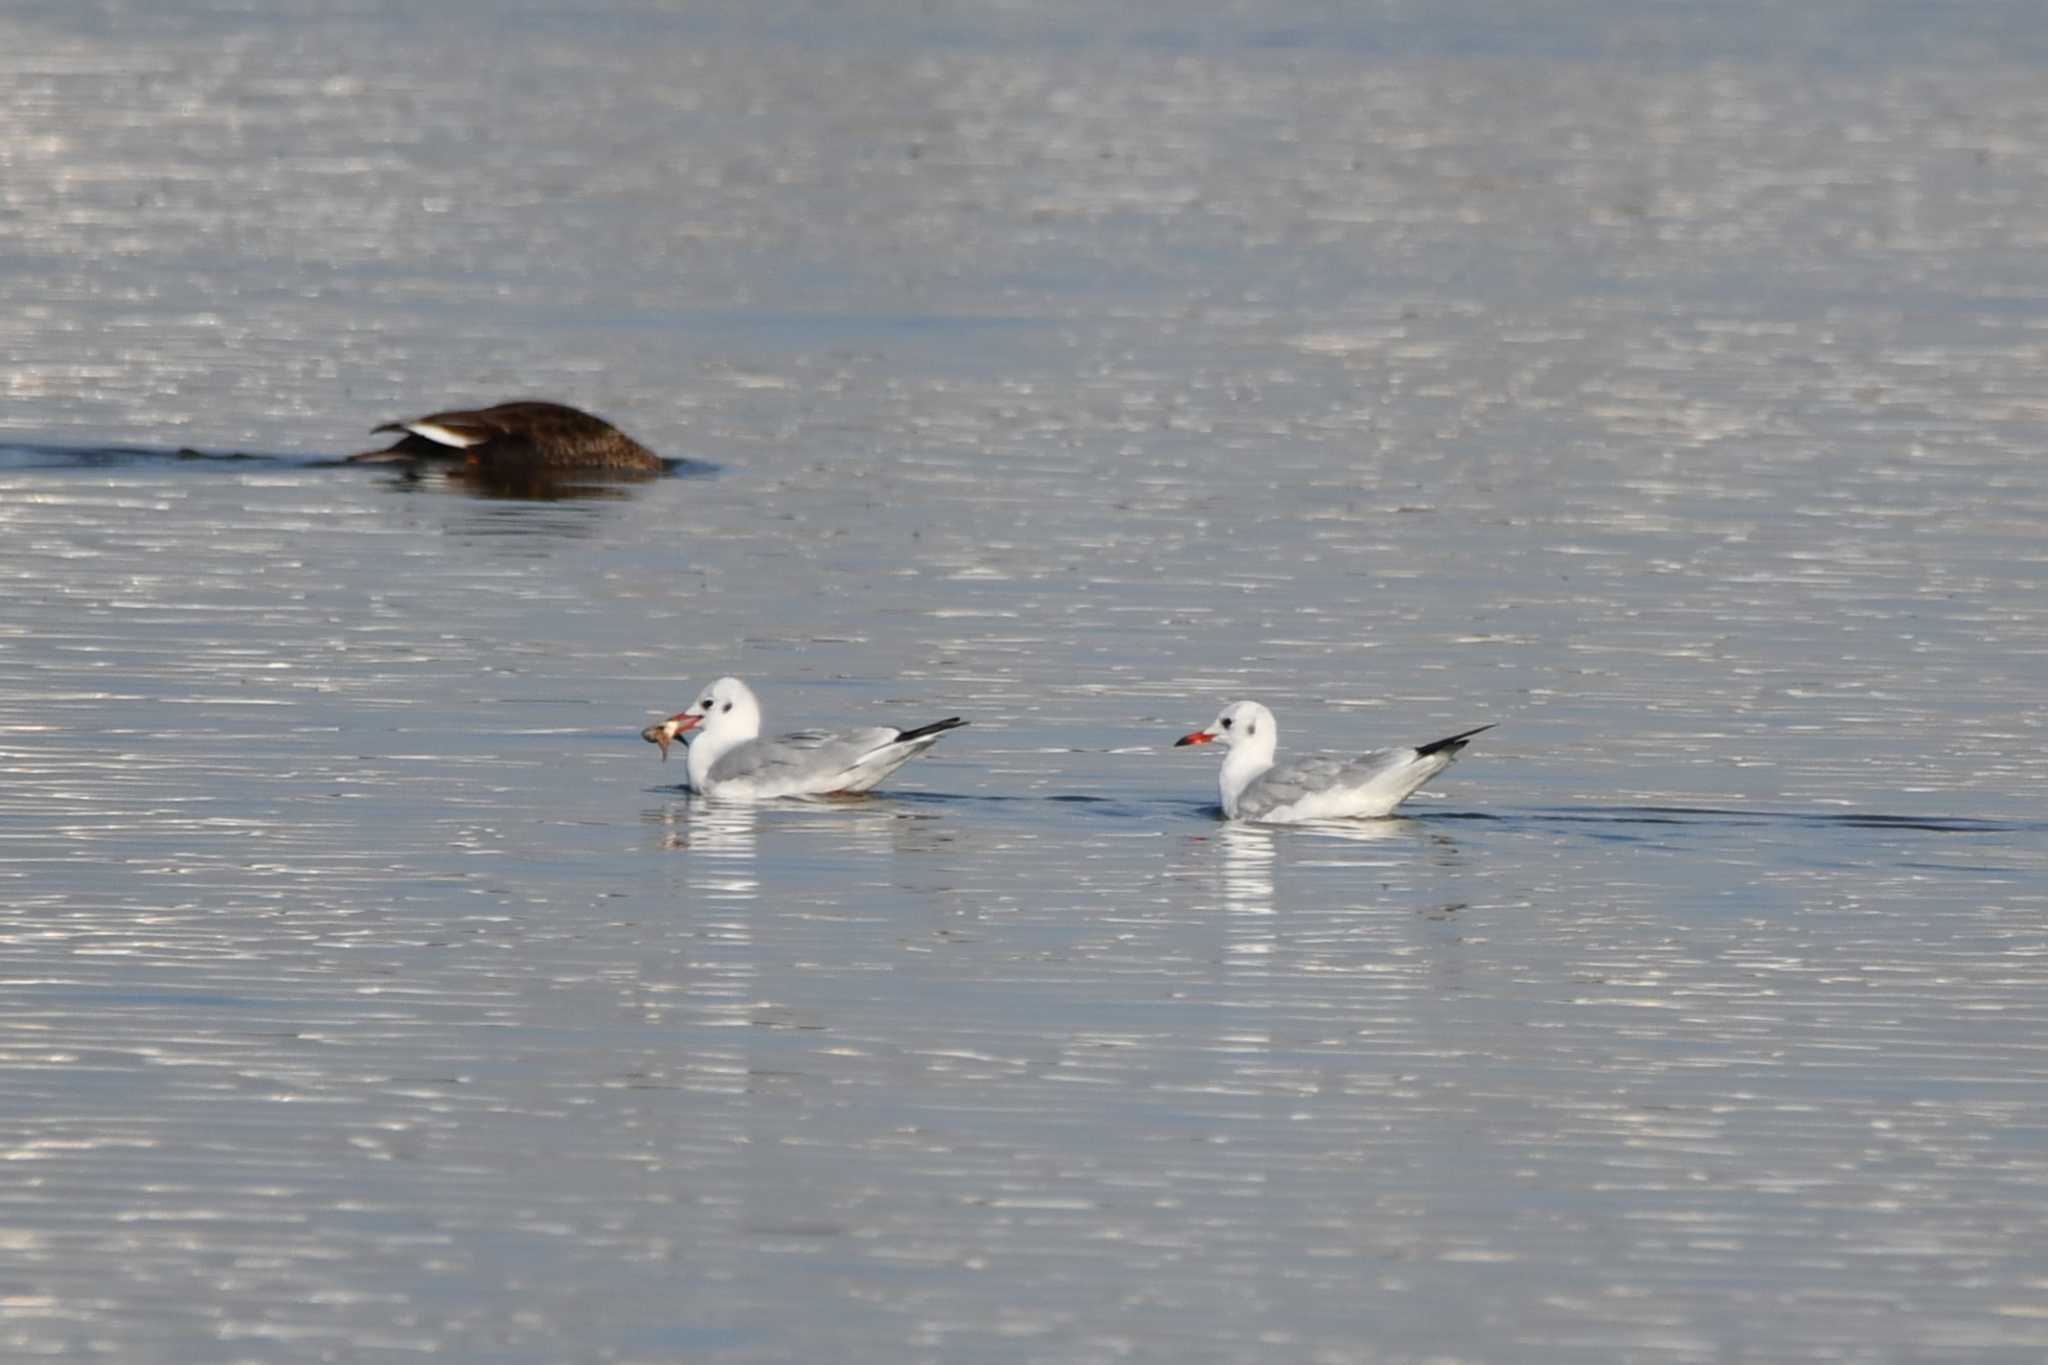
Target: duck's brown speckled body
<point>517,437</point>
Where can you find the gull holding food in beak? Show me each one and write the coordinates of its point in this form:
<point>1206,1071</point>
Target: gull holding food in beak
<point>728,757</point>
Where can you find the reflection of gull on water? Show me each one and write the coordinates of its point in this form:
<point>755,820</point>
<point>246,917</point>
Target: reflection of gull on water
<point>1247,870</point>
<point>1249,852</point>
<point>1358,831</point>
<point>869,826</point>
<point>723,888</point>
<point>1251,933</point>
<point>720,838</point>
<point>724,839</point>
<point>1251,928</point>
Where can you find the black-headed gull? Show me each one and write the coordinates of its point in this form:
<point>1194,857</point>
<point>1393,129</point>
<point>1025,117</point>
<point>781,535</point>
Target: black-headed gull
<point>729,758</point>
<point>518,436</point>
<point>1364,787</point>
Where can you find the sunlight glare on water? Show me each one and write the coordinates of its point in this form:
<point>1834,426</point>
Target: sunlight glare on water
<point>1663,387</point>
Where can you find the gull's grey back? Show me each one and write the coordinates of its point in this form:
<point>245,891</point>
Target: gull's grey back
<point>800,751</point>
<point>1285,784</point>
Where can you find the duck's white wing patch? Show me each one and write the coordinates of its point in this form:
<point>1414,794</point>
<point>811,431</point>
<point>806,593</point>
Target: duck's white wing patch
<point>448,436</point>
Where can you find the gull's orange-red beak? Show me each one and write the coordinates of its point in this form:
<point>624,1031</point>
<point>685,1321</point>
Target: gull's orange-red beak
<point>1198,737</point>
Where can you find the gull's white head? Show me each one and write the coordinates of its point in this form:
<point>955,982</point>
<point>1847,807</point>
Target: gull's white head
<point>726,714</point>
<point>1244,723</point>
<point>728,708</point>
<point>1248,730</point>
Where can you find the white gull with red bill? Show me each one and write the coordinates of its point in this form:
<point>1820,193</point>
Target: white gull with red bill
<point>729,758</point>
<point>1360,788</point>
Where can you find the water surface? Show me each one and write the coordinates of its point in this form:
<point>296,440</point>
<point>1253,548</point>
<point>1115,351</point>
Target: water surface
<point>1663,385</point>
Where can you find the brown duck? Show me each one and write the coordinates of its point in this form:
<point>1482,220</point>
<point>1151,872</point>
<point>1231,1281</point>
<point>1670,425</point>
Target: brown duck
<point>518,437</point>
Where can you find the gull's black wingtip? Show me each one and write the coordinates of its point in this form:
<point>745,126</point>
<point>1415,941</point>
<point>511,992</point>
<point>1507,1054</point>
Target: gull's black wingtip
<point>937,727</point>
<point>1450,744</point>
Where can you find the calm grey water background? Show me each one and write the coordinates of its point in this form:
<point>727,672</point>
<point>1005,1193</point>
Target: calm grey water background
<point>1665,383</point>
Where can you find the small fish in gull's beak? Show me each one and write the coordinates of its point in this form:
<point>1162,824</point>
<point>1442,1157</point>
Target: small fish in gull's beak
<point>667,730</point>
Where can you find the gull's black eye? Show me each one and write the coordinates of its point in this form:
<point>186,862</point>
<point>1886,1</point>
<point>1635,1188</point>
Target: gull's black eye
<point>706,703</point>
<point>1226,722</point>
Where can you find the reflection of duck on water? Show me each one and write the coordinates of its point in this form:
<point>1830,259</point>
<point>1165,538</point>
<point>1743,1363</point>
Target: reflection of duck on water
<point>519,438</point>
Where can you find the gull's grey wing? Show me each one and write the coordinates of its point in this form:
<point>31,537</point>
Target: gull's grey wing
<point>1283,786</point>
<point>799,752</point>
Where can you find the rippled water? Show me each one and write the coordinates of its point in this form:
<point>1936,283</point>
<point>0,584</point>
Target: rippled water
<point>1665,387</point>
